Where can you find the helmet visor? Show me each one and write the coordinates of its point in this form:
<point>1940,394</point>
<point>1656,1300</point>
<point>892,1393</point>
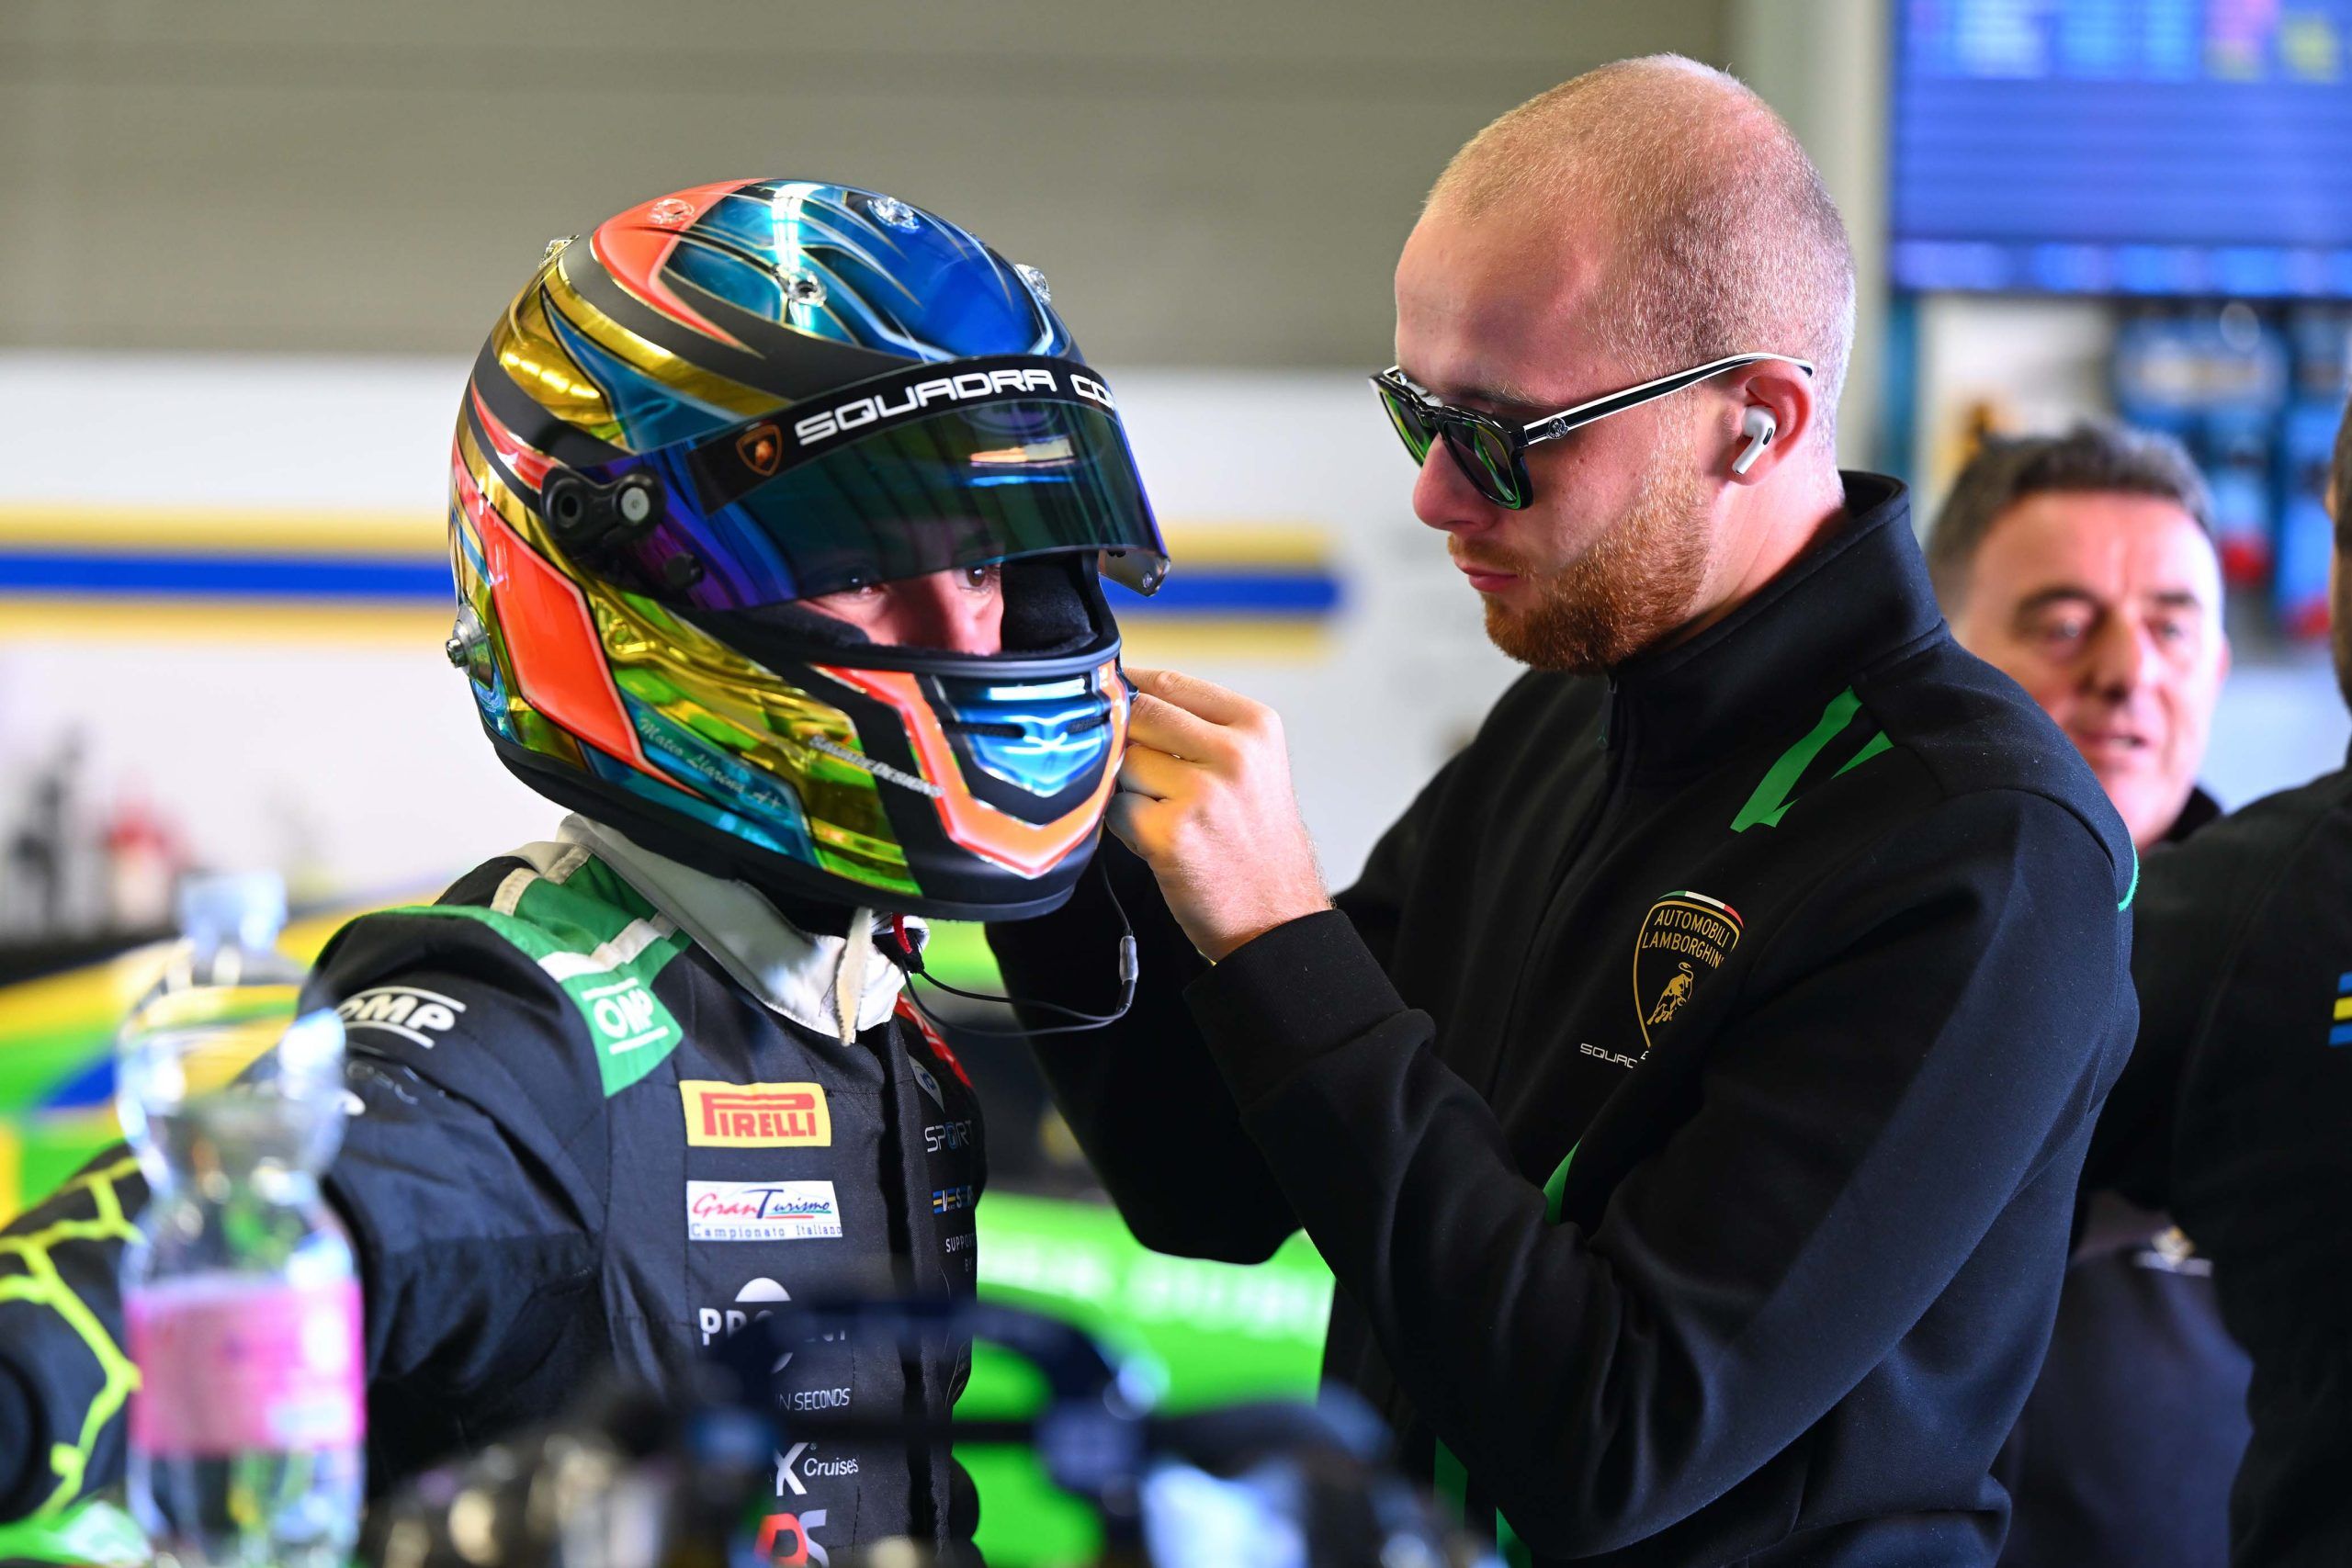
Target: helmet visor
<point>808,502</point>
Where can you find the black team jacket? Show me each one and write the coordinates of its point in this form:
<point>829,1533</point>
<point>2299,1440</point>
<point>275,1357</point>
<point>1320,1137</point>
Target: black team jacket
<point>1690,1097</point>
<point>2236,1115</point>
<point>2124,1456</point>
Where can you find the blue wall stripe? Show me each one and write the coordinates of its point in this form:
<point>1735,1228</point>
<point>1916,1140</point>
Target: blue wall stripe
<point>1235,593</point>
<point>229,577</point>
<point>1198,593</point>
<point>2340,1035</point>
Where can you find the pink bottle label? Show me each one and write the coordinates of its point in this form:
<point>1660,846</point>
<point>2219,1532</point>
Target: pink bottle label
<point>226,1365</point>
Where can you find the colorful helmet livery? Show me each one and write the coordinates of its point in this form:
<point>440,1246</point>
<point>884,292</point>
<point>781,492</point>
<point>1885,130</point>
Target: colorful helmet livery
<point>731,399</point>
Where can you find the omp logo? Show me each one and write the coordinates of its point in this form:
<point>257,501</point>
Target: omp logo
<point>752,1303</point>
<point>755,1115</point>
<point>789,1540</point>
<point>414,1014</point>
<point>761,1210</point>
<point>623,1015</point>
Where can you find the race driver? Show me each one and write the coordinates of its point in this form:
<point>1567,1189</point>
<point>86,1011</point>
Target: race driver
<point>777,514</point>
<point>1754,1268</point>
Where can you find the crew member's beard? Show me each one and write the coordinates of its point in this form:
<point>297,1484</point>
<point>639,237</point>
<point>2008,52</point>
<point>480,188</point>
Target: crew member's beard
<point>1635,584</point>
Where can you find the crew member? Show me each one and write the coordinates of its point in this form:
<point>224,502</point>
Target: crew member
<point>2233,1113</point>
<point>2082,566</point>
<point>1765,1280</point>
<point>776,512</point>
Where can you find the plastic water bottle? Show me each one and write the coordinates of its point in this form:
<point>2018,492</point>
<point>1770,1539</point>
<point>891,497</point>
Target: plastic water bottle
<point>241,1302</point>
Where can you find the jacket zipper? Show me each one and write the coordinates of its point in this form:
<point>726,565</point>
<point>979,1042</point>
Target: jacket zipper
<point>1617,750</point>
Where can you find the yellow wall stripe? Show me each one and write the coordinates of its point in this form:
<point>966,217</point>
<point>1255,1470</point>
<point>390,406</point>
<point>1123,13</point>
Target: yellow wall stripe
<point>293,532</point>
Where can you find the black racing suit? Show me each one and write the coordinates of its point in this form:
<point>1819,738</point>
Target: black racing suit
<point>592,1140</point>
<point>2236,1115</point>
<point>1690,1096</point>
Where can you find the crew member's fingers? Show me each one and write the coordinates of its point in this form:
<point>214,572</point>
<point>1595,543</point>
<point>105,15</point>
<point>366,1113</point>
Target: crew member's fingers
<point>1154,773</point>
<point>1207,698</point>
<point>1163,727</point>
<point>1132,818</point>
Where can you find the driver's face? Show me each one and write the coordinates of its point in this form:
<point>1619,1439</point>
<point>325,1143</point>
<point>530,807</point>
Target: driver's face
<point>960,611</point>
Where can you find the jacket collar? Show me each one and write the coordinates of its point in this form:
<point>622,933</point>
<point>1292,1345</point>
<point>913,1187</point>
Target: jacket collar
<point>814,981</point>
<point>1856,596</point>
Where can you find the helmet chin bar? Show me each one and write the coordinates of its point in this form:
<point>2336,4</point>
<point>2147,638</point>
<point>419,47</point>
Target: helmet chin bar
<point>816,901</point>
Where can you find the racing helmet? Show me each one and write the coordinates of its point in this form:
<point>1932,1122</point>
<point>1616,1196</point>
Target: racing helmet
<point>724,401</point>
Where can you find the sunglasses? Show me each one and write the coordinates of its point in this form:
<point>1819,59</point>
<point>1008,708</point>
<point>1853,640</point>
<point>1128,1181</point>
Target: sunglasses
<point>1493,455</point>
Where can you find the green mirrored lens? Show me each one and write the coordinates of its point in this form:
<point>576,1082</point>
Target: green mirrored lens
<point>1494,455</point>
<point>1485,457</point>
<point>1407,417</point>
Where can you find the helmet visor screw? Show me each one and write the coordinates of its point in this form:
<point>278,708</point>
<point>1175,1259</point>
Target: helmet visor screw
<point>889,209</point>
<point>467,638</point>
<point>1036,282</point>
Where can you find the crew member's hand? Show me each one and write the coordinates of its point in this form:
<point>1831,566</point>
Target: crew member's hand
<point>1205,798</point>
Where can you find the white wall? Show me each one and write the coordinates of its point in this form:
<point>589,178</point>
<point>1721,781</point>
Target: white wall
<point>1211,183</point>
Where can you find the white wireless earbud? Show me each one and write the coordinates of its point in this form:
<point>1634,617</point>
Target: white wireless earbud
<point>1759,427</point>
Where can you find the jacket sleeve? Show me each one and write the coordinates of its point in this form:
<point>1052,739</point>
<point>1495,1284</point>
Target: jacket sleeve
<point>2189,915</point>
<point>473,1181</point>
<point>1929,1032</point>
<point>460,1197</point>
<point>65,1375</point>
<point>1142,1096</point>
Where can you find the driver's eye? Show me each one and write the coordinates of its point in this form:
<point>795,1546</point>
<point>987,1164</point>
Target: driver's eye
<point>980,577</point>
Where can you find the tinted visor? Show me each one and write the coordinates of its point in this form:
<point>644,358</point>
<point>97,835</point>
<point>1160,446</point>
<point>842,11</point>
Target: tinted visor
<point>823,498</point>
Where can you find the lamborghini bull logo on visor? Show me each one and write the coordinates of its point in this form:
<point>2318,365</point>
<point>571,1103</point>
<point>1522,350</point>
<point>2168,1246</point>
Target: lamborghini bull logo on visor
<point>664,450</point>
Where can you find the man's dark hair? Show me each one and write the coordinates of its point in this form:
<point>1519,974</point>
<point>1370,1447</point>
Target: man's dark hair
<point>2096,457</point>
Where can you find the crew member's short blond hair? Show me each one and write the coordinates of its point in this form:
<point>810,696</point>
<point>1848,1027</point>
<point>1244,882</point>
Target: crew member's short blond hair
<point>1726,239</point>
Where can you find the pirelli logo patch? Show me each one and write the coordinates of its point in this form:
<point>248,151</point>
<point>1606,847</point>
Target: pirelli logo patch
<point>756,1115</point>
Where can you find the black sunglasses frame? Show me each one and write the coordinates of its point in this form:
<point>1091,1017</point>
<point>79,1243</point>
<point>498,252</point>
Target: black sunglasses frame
<point>1461,428</point>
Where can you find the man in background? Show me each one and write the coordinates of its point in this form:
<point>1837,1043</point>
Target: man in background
<point>2235,1112</point>
<point>2082,567</point>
